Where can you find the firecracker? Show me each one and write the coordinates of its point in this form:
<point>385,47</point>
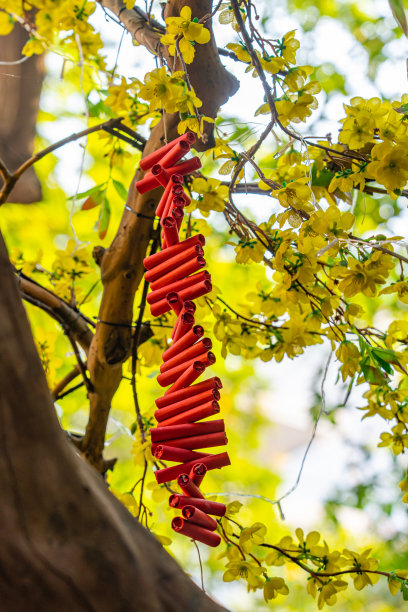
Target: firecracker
<point>177,277</point>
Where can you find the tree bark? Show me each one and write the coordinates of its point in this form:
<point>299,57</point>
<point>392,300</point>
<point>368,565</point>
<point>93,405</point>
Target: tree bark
<point>20,88</point>
<point>66,543</point>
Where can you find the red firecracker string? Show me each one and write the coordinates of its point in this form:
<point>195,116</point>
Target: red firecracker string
<point>178,277</point>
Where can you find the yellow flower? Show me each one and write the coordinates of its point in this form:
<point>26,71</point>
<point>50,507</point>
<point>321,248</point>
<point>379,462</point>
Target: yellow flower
<point>188,31</point>
<point>403,485</point>
<point>274,587</point>
<point>247,250</point>
<point>309,544</point>
<point>194,124</point>
<point>119,98</point>
<point>362,276</point>
<point>373,107</point>
<point>34,47</point>
<point>296,194</point>
<point>248,570</point>
<point>349,355</point>
<point>327,590</point>
<point>398,440</point>
<point>346,180</point>
<point>187,101</point>
<point>358,130</point>
<point>252,536</point>
<point>361,562</point>
<point>296,77</point>
<point>227,16</point>
<point>289,47</point>
<point>212,195</point>
<point>6,23</point>
<point>331,222</point>
<point>400,287</point>
<point>241,52</point>
<point>272,64</point>
<point>390,167</point>
<point>162,89</point>
<point>296,107</point>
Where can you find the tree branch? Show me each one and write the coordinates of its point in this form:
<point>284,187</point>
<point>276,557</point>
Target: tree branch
<point>70,318</point>
<point>11,179</point>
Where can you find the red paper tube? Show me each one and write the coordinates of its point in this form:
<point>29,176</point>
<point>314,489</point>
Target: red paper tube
<point>159,294</point>
<point>167,378</point>
<point>150,180</point>
<point>197,473</point>
<point>173,187</point>
<point>180,431</point>
<point>189,306</point>
<point>178,150</point>
<point>187,340</point>
<point>174,301</point>
<point>184,322</point>
<point>157,258</point>
<point>198,517</point>
<point>185,197</point>
<point>188,487</point>
<point>200,347</point>
<point>177,213</point>
<point>170,453</point>
<point>173,261</point>
<point>191,416</point>
<point>170,231</point>
<point>147,162</point>
<point>200,399</point>
<point>212,462</point>
<point>172,202</point>
<point>188,403</point>
<point>189,267</point>
<point>203,441</point>
<point>209,507</point>
<point>195,532</point>
<point>185,167</point>
<point>156,177</point>
<point>172,398</point>
<point>163,200</point>
<point>195,291</point>
<point>189,376</point>
<point>161,175</point>
<point>190,293</point>
<point>177,189</point>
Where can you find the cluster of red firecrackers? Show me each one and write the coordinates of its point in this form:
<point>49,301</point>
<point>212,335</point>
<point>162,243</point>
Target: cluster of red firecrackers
<point>177,276</point>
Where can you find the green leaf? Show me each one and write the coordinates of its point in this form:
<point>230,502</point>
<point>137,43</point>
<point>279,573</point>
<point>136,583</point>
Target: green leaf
<point>397,8</point>
<point>104,218</point>
<point>120,189</point>
<point>101,187</point>
<point>383,364</point>
<point>385,354</point>
<point>404,590</point>
<point>321,179</point>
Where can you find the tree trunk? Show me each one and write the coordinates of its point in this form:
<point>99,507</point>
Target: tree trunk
<point>20,89</point>
<point>66,543</point>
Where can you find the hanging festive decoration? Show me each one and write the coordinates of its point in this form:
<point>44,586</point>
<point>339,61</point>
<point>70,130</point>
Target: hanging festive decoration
<point>177,277</point>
